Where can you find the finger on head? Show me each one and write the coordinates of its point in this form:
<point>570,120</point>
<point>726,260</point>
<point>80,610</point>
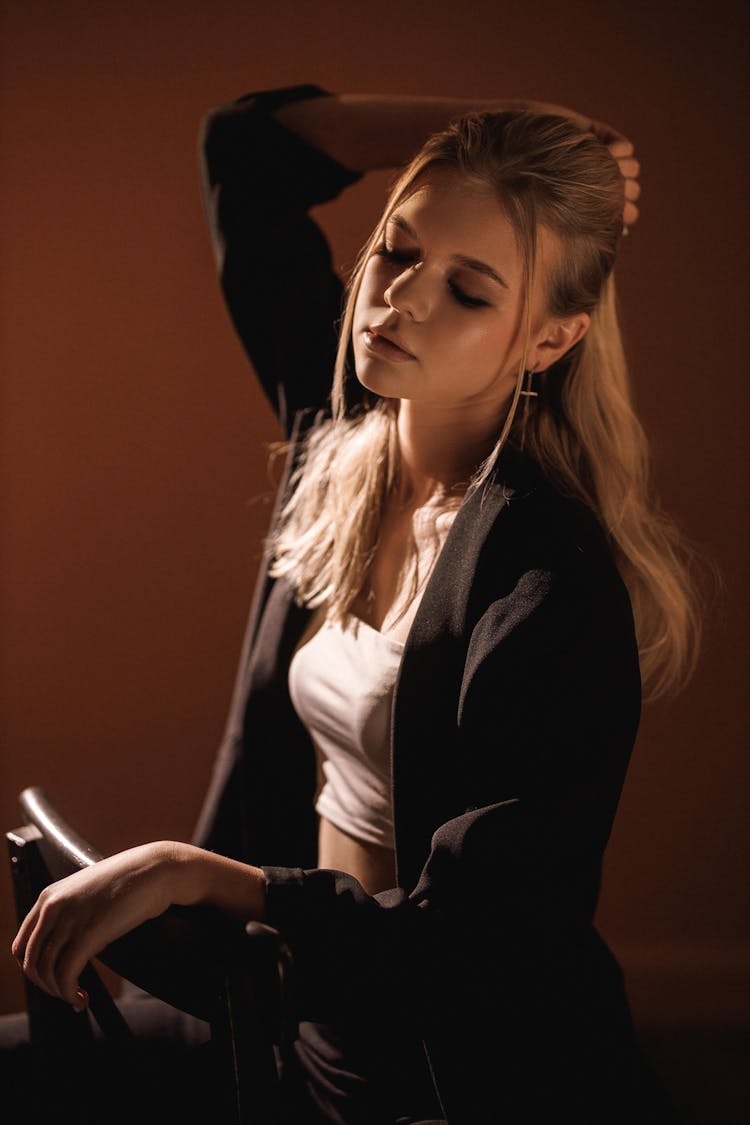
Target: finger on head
<point>621,148</point>
<point>629,167</point>
<point>632,189</point>
<point>630,214</point>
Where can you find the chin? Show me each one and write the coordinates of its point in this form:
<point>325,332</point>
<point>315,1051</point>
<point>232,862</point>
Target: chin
<point>375,377</point>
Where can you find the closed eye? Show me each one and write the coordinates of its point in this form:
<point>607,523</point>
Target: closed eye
<point>404,257</point>
<point>464,298</point>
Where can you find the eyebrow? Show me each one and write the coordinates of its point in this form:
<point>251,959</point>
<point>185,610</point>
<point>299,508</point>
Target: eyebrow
<point>462,259</point>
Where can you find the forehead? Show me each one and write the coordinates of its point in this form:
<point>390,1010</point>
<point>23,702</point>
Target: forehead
<point>459,215</point>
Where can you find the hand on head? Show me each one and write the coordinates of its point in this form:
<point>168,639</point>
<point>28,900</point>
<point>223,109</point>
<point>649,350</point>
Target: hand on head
<point>619,146</point>
<point>623,151</point>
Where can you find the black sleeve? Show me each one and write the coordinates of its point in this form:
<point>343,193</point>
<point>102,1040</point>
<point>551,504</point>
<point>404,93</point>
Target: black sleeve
<point>282,293</point>
<point>548,714</point>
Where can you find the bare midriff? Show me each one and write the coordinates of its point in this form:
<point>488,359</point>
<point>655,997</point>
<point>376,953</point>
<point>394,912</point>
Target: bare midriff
<point>371,864</point>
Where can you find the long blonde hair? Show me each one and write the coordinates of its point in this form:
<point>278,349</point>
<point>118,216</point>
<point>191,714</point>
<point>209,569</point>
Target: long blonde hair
<point>580,428</point>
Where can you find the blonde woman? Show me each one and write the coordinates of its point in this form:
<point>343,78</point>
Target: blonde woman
<point>465,586</point>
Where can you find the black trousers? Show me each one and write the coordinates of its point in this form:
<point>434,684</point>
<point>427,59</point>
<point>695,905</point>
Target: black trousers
<point>354,1076</point>
<point>171,1073</point>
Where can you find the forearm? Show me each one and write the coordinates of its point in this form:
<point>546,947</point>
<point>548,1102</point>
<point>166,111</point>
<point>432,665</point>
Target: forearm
<point>369,131</point>
<point>202,878</point>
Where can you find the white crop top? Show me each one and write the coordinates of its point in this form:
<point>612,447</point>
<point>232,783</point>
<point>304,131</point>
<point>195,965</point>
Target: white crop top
<point>341,683</point>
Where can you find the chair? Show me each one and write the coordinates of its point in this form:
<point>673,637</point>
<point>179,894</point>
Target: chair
<point>237,978</point>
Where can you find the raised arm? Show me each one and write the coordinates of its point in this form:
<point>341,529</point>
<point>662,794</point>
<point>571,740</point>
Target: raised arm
<point>282,293</point>
<point>370,131</point>
<point>271,156</point>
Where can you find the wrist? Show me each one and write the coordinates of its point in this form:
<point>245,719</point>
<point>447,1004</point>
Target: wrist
<point>202,878</point>
<point>176,871</point>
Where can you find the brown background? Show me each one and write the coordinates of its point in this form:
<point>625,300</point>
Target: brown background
<point>133,437</point>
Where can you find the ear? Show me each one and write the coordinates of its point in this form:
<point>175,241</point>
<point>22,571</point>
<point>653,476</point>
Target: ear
<point>556,338</point>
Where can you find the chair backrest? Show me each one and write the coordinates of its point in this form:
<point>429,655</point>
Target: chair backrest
<point>233,976</point>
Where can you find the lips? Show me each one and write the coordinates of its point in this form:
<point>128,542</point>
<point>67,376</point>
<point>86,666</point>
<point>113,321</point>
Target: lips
<point>386,343</point>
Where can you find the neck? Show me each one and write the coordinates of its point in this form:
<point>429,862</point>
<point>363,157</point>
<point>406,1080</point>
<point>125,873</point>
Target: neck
<point>442,448</point>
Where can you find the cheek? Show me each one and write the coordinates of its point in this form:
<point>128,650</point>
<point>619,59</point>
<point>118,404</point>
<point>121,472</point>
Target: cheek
<point>372,287</point>
<point>464,335</point>
<point>479,353</point>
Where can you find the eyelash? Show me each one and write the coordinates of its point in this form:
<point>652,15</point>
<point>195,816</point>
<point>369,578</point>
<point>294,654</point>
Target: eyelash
<point>401,257</point>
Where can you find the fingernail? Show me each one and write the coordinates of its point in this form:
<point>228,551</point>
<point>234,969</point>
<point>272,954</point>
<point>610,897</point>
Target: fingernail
<point>82,1000</point>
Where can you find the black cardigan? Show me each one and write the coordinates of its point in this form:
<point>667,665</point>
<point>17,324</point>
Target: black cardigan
<point>515,712</point>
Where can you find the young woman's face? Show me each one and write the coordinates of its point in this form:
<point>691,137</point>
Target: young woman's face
<point>439,317</point>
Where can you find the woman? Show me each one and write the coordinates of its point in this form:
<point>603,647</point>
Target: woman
<point>444,618</point>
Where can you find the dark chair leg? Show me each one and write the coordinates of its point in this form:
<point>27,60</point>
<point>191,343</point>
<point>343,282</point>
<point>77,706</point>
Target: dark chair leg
<point>255,1016</point>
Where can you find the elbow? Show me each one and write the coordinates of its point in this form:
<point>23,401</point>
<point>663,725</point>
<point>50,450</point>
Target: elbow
<point>209,143</point>
<point>221,139</point>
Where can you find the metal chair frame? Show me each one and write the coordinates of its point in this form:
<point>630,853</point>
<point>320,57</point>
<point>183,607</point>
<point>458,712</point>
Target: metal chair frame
<point>237,978</point>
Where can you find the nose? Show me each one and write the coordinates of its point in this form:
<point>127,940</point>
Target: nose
<point>408,294</point>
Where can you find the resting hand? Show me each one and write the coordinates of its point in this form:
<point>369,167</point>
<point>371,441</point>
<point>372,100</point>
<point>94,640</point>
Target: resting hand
<point>75,918</point>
